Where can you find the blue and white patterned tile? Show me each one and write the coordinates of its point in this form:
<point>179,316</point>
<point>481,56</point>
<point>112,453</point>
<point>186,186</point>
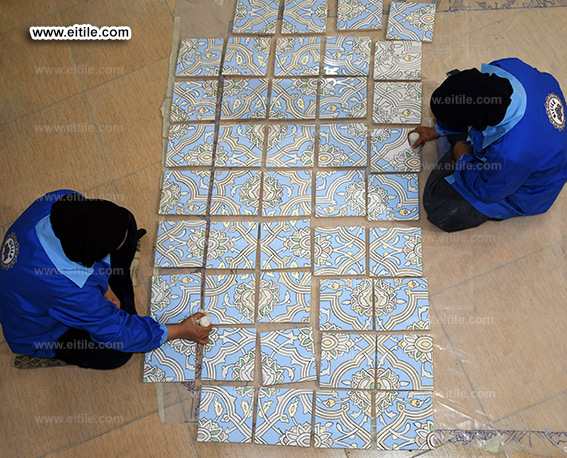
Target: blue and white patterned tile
<point>346,303</point>
<point>343,419</point>
<point>395,252</point>
<point>184,193</point>
<point>397,103</point>
<point>286,193</point>
<point>401,304</point>
<point>194,100</point>
<point>230,355</point>
<point>240,145</point>
<point>397,60</point>
<point>340,193</point>
<point>342,98</point>
<point>339,250</point>
<point>199,57</point>
<point>287,356</point>
<point>411,21</point>
<point>293,98</point>
<point>343,145</point>
<point>247,56</point>
<point>236,192</point>
<point>176,244</point>
<point>290,145</point>
<point>285,245</point>
<point>359,15</point>
<point>347,56</point>
<point>225,414</point>
<point>390,151</point>
<point>231,245</point>
<point>284,417</point>
<point>393,197</point>
<point>298,56</point>
<point>229,298</point>
<point>304,16</point>
<point>175,297</point>
<point>244,98</point>
<point>285,297</point>
<point>256,16</point>
<point>190,145</point>
<point>174,361</point>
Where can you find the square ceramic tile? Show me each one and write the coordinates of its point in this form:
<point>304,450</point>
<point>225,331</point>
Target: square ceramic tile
<point>247,56</point>
<point>343,419</point>
<point>286,193</point>
<point>244,98</point>
<point>290,145</point>
<point>407,359</point>
<point>293,98</point>
<point>401,304</point>
<point>199,57</point>
<point>184,193</point>
<point>346,303</point>
<point>395,252</point>
<point>174,361</point>
<point>339,250</point>
<point>342,98</point>
<point>347,56</point>
<point>190,144</point>
<point>229,355</point>
<point>397,60</point>
<point>297,56</point>
<point>393,197</point>
<point>285,297</point>
<point>232,245</point>
<point>176,244</point>
<point>343,145</point>
<point>357,14</point>
<point>304,16</point>
<point>347,360</point>
<point>285,245</point>
<point>397,103</point>
<point>284,417</point>
<point>236,192</point>
<point>340,193</point>
<point>411,21</point>
<point>240,145</point>
<point>225,414</point>
<point>404,419</point>
<point>390,151</point>
<point>194,100</point>
<point>229,298</point>
<point>256,16</point>
<point>175,297</point>
<point>287,356</point>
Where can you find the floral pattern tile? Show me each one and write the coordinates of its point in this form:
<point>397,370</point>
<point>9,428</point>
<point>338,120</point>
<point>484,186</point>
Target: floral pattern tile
<point>232,245</point>
<point>199,57</point>
<point>256,16</point>
<point>411,21</point>
<point>286,193</point>
<point>304,16</point>
<point>359,14</point>
<point>225,414</point>
<point>401,304</point>
<point>297,56</point>
<point>340,193</point>
<point>404,419</point>
<point>244,98</point>
<point>247,56</point>
<point>287,356</point>
<point>346,303</point>
<point>395,252</point>
<point>390,151</point>
<point>339,250</point>
<point>393,197</point>
<point>194,100</point>
<point>347,56</point>
<point>343,145</point>
<point>397,103</point>
<point>184,193</point>
<point>175,247</point>
<point>236,192</point>
<point>229,298</point>
<point>293,98</point>
<point>284,417</point>
<point>229,355</point>
<point>240,145</point>
<point>347,360</point>
<point>343,419</point>
<point>190,144</point>
<point>397,60</point>
<point>174,361</point>
<point>285,297</point>
<point>342,98</point>
<point>285,245</point>
<point>290,145</point>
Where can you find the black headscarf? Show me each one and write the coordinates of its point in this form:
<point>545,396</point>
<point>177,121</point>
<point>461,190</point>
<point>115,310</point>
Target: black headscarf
<point>89,229</point>
<point>471,98</point>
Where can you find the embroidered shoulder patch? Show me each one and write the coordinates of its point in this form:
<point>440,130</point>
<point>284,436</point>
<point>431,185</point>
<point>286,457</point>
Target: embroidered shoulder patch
<point>10,249</point>
<point>555,111</point>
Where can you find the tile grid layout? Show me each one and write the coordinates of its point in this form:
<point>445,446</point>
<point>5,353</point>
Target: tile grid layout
<point>269,143</point>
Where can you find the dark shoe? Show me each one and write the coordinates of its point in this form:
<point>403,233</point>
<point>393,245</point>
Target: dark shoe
<point>141,233</point>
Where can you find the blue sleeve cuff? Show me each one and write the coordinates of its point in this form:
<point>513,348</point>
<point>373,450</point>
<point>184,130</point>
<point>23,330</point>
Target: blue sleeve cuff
<point>450,179</point>
<point>163,339</point>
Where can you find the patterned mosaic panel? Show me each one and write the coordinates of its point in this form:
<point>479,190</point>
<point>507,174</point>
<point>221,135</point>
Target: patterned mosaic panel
<point>397,60</point>
<point>285,245</point>
<point>347,56</point>
<point>343,145</point>
<point>199,57</point>
<point>287,356</point>
<point>340,193</point>
<point>391,152</point>
<point>232,245</point>
<point>229,298</point>
<point>395,252</point>
<point>194,100</point>
<point>236,192</point>
<point>287,193</point>
<point>397,103</point>
<point>285,297</point>
<point>304,16</point>
<point>293,98</point>
<point>342,98</point>
<point>393,197</point>
<point>411,21</point>
<point>244,98</point>
<point>176,244</point>
<point>175,297</point>
<point>346,304</point>
<point>358,14</point>
<point>174,361</point>
<point>339,251</point>
<point>290,145</point>
<point>240,145</point>
<point>247,56</point>
<point>256,16</point>
<point>297,56</point>
<point>190,144</point>
<point>184,193</point>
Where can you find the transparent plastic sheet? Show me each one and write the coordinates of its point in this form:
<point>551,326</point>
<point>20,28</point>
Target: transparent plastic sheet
<point>497,293</point>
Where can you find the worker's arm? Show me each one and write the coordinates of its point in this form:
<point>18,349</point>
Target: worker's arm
<point>426,134</point>
<point>189,329</point>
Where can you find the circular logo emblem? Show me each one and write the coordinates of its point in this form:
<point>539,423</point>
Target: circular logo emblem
<point>555,111</point>
<point>10,250</point>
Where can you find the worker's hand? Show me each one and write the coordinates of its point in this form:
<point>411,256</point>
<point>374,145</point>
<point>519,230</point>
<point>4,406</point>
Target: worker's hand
<point>426,134</point>
<point>110,296</point>
<point>460,149</point>
<point>189,329</point>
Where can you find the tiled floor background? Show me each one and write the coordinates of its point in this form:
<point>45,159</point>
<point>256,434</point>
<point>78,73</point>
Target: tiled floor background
<point>86,116</point>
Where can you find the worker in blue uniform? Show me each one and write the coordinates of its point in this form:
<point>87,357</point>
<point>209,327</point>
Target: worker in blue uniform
<point>508,145</point>
<point>65,286</point>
